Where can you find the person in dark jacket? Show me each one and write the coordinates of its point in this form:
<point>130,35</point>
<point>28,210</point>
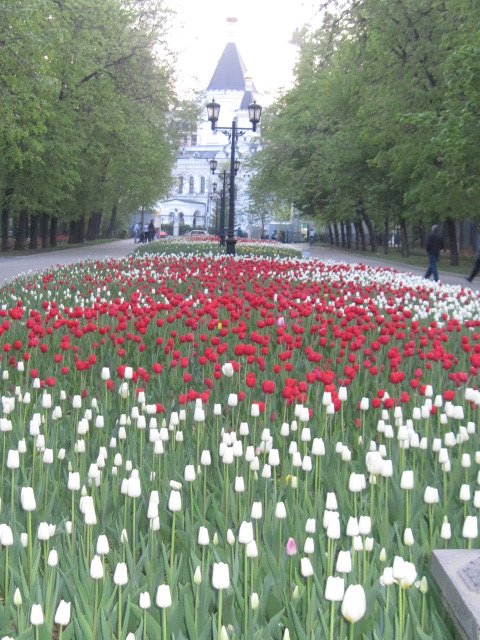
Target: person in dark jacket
<point>151,231</point>
<point>476,266</point>
<point>433,247</point>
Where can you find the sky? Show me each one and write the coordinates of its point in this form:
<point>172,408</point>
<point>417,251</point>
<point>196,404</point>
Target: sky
<point>264,30</point>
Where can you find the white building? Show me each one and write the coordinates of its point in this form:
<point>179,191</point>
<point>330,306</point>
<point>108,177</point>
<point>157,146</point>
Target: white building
<point>192,201</point>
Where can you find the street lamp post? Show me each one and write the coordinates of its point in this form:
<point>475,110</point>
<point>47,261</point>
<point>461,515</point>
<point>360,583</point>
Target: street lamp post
<point>210,193</point>
<point>233,132</point>
<point>221,230</point>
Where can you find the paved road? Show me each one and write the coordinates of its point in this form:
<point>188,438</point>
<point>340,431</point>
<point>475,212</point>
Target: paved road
<point>14,265</point>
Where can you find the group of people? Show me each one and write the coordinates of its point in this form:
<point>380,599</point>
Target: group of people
<point>435,246</point>
<point>146,235</point>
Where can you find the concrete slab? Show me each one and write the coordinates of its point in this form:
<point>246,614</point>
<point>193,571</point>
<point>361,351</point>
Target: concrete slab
<point>457,573</point>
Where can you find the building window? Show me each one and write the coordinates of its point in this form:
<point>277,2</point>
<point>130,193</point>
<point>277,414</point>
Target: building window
<point>180,184</point>
<point>191,185</point>
<point>202,185</point>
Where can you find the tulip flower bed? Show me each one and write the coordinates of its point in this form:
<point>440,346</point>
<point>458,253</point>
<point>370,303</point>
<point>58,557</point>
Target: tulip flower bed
<point>208,447</point>
<point>209,245</point>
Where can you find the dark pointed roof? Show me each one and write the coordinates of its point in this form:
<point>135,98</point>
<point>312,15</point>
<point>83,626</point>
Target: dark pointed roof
<point>229,74</point>
<point>246,100</point>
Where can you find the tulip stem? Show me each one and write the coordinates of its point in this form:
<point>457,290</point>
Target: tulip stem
<point>134,527</point>
<point>204,491</point>
<point>5,590</point>
<point>430,522</point>
<point>164,623</point>
<point>12,505</point>
<point>351,630</point>
<point>191,503</point>
<point>34,457</point>
<point>400,610</point>
<point>172,545</point>
<point>309,589</point>
<point>245,594</point>
<point>95,609</point>
<point>332,619</point>
<point>30,561</point>
<point>219,621</point>
<point>280,545</point>
<point>274,485</point>
<point>226,493</point>
<point>196,609</point>
<point>372,497</point>
<point>119,611</point>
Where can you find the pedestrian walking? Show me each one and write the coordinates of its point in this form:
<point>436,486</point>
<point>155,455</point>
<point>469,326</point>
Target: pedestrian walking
<point>476,265</point>
<point>433,247</point>
<point>136,232</point>
<point>311,237</point>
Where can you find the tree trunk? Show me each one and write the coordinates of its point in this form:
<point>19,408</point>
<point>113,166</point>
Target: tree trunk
<point>342,233</point>
<point>34,228</point>
<point>357,236</point>
<point>112,223</point>
<point>6,219</point>
<point>71,231</point>
<point>44,221</point>
<point>386,234</point>
<point>361,235</point>
<point>93,225</point>
<point>330,235</point>
<point>90,232</point>
<point>335,234</point>
<point>77,231</point>
<point>405,246</point>
<point>79,235</point>
<point>53,231</point>
<point>371,231</point>
<point>349,235</point>
<point>452,235</point>
<point>22,230</point>
<point>98,224</point>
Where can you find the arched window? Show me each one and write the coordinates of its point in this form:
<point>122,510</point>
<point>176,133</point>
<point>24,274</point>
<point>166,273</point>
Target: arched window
<point>180,184</point>
<point>202,185</point>
<point>191,185</point>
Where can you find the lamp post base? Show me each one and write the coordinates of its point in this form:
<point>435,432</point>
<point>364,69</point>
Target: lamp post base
<point>231,242</point>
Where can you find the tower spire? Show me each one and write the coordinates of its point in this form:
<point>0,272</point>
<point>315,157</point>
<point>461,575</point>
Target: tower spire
<point>232,27</point>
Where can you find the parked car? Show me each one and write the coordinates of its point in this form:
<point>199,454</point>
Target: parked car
<point>197,232</point>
